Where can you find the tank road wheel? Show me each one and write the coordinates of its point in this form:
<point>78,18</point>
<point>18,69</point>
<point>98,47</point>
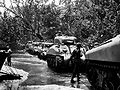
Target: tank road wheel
<point>107,85</point>
<point>92,77</point>
<point>49,62</point>
<point>58,61</point>
<point>115,79</point>
<point>53,62</point>
<point>118,87</point>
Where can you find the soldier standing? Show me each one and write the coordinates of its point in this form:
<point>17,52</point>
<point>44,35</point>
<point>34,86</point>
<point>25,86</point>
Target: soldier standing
<point>76,56</point>
<point>9,56</point>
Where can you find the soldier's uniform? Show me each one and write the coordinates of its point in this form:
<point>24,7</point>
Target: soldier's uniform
<point>76,56</point>
<point>9,57</point>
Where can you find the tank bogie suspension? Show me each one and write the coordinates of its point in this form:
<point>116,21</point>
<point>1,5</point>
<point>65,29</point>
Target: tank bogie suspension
<point>54,60</point>
<point>103,75</point>
<point>103,65</point>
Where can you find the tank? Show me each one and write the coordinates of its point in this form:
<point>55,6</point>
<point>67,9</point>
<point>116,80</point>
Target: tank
<point>58,55</point>
<point>42,50</point>
<point>103,65</point>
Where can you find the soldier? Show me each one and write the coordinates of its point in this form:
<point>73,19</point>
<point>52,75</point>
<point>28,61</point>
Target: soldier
<point>9,56</point>
<point>76,56</point>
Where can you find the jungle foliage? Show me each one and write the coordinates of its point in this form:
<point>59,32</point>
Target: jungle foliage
<point>91,21</point>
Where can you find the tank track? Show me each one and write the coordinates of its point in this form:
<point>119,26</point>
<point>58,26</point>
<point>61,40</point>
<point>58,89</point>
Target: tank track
<point>57,63</point>
<point>103,75</point>
<point>106,65</point>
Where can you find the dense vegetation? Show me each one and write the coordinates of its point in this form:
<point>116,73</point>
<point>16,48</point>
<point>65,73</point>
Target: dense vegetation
<point>91,21</point>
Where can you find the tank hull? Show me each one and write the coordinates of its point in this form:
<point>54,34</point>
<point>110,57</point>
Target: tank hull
<point>103,65</point>
<point>58,59</point>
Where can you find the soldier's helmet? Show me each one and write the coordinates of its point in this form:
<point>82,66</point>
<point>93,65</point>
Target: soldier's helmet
<point>79,45</point>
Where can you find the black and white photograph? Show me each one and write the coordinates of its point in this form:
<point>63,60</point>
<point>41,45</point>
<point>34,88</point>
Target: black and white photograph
<point>59,44</point>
